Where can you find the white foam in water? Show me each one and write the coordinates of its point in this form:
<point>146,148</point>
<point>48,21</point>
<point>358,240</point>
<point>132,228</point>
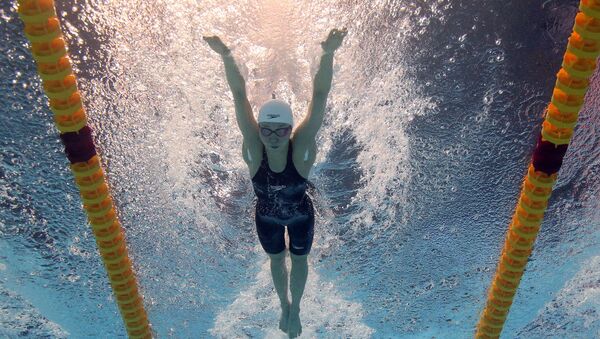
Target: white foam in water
<point>323,311</point>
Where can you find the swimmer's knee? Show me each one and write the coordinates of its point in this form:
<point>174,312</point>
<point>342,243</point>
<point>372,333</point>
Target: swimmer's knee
<point>300,252</point>
<point>278,256</point>
<point>297,257</point>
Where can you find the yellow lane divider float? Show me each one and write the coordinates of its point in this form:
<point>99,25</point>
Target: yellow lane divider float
<point>42,28</point>
<point>579,63</point>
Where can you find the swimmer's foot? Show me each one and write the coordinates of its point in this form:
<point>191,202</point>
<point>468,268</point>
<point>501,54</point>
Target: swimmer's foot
<point>294,325</point>
<point>285,314</point>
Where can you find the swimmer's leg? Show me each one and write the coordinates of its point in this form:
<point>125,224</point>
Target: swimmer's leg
<point>298,276</point>
<point>280,280</point>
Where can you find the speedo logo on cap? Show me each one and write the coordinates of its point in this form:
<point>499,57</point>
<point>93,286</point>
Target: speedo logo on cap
<point>272,116</point>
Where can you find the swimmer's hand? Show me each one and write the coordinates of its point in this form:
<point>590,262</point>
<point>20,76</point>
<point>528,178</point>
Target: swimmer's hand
<point>217,45</point>
<point>334,40</point>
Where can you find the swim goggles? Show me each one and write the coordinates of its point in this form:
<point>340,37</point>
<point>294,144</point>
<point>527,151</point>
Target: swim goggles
<point>281,132</point>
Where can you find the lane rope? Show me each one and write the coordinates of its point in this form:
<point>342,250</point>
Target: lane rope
<point>49,50</point>
<point>572,82</point>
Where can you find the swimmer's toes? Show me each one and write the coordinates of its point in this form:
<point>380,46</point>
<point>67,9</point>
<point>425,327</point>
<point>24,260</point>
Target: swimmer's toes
<point>294,325</point>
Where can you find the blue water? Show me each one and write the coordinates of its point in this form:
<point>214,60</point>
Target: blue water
<point>431,121</point>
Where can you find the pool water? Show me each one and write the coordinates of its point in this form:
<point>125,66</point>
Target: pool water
<point>430,125</point>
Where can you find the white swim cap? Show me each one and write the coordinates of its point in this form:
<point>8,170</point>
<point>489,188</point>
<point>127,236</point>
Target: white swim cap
<point>276,110</point>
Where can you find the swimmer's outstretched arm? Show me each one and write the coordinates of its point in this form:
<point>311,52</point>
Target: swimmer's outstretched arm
<point>234,77</point>
<point>245,119</point>
<point>312,122</point>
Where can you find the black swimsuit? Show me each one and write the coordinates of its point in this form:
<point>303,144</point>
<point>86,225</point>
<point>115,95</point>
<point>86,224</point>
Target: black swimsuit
<point>282,200</point>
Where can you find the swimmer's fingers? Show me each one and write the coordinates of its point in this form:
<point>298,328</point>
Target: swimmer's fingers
<point>216,44</point>
<point>339,32</point>
<point>334,39</point>
<point>211,38</point>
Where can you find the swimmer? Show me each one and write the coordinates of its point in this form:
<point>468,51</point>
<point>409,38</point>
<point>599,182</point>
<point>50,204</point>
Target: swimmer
<point>279,161</point>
